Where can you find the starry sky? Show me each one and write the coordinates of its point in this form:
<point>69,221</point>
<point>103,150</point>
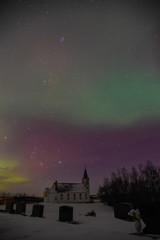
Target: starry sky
<point>79,86</point>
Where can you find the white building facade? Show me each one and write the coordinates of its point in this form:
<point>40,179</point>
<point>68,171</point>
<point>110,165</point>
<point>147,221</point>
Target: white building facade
<point>69,192</point>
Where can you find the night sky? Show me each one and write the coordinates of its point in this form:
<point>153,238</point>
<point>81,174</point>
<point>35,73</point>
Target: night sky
<point>79,86</point>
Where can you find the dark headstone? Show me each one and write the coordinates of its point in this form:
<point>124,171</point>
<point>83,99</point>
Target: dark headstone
<point>37,210</point>
<point>150,214</point>
<point>66,213</point>
<point>9,207</point>
<point>121,211</point>
<point>20,208</point>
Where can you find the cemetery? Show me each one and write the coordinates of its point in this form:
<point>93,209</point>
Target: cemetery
<point>50,221</point>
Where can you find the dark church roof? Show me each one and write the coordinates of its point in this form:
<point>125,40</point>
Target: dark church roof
<point>70,187</point>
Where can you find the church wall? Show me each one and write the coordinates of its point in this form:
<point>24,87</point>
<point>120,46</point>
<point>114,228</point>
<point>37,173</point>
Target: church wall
<point>67,197</point>
<point>51,197</point>
<point>46,197</point>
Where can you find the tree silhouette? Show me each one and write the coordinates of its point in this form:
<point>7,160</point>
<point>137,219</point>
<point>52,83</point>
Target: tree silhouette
<point>139,186</point>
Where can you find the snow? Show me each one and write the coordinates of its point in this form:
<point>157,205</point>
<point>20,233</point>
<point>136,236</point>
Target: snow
<point>103,226</point>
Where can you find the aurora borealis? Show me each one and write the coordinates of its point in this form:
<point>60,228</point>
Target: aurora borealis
<point>79,86</point>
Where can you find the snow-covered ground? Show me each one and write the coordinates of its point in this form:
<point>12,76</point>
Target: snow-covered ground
<point>102,227</point>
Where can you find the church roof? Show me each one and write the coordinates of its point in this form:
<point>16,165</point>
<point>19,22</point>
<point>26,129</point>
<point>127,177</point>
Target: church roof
<point>70,187</point>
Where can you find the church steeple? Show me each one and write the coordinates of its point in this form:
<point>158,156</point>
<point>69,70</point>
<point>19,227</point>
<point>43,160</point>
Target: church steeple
<point>85,179</point>
<point>85,175</point>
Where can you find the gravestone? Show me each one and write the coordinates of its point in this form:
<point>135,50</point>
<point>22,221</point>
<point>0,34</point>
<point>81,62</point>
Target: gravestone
<point>66,213</point>
<point>37,210</point>
<point>121,211</point>
<point>20,208</point>
<point>9,207</point>
<point>150,214</point>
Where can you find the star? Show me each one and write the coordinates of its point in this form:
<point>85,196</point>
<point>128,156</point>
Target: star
<point>61,39</point>
<point>5,137</point>
<point>41,164</point>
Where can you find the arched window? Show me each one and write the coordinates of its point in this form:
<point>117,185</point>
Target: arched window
<point>80,196</point>
<point>74,196</point>
<point>68,196</point>
<point>61,196</point>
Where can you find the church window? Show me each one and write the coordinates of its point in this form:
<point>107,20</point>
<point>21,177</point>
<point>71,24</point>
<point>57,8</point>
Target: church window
<point>61,196</point>
<point>80,196</point>
<point>74,196</point>
<point>68,196</point>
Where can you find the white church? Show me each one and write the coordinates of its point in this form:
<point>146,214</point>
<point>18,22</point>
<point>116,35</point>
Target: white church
<point>69,192</point>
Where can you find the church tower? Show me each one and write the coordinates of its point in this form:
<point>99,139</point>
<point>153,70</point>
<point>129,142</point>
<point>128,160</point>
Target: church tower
<point>85,179</point>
